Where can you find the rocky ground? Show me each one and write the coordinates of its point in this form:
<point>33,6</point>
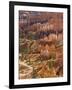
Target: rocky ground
<point>45,66</point>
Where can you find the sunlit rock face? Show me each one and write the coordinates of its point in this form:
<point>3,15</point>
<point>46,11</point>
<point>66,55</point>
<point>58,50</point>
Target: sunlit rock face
<point>52,37</point>
<point>60,37</point>
<point>44,53</point>
<point>25,71</point>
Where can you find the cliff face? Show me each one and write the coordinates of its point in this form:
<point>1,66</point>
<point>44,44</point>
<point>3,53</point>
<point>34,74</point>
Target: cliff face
<point>41,42</point>
<point>44,27</point>
<point>41,18</point>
